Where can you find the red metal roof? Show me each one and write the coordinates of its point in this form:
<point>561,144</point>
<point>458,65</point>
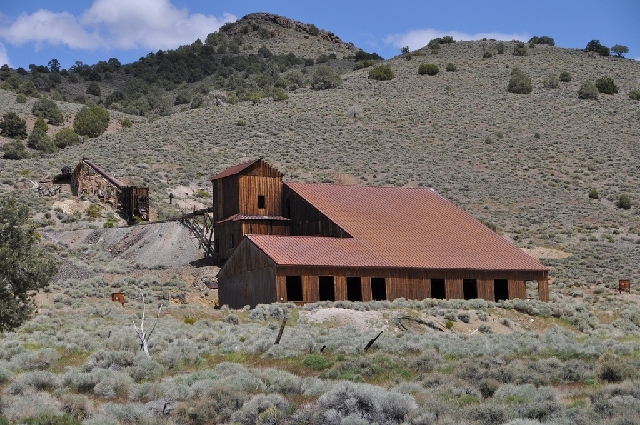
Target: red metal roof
<point>234,170</point>
<point>239,217</point>
<point>317,251</point>
<point>396,227</point>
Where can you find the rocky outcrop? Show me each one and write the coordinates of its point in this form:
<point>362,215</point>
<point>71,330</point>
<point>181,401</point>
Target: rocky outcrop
<point>284,22</point>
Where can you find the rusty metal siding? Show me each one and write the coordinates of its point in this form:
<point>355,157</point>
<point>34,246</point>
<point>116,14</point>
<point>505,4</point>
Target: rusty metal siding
<point>306,219</point>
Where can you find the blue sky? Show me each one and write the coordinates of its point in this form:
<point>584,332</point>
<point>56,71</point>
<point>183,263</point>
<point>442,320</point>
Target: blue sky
<point>35,31</point>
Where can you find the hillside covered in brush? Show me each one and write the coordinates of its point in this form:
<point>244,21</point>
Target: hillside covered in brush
<point>260,55</point>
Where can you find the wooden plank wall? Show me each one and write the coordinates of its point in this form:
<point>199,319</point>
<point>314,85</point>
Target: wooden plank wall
<point>486,289</point>
<point>543,290</point>
<point>222,234</point>
<point>306,219</point>
<point>266,227</point>
<point>408,283</point>
<point>517,289</point>
<point>251,187</point>
<point>239,285</point>
<point>225,197</point>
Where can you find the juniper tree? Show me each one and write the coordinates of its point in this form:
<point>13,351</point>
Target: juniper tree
<point>25,267</point>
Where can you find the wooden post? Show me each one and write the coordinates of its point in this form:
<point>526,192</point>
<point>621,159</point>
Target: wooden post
<point>284,322</point>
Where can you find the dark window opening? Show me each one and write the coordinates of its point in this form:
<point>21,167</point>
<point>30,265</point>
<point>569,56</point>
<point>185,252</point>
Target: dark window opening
<point>231,245</point>
<point>261,202</point>
<point>354,288</point>
<point>294,288</point>
<point>287,208</point>
<point>469,289</point>
<point>327,288</point>
<point>437,289</point>
<point>501,289</point>
<point>378,289</point>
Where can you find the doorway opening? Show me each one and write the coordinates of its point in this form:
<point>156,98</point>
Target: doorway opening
<point>327,288</point>
<point>354,288</point>
<point>469,289</point>
<point>437,289</point>
<point>378,289</point>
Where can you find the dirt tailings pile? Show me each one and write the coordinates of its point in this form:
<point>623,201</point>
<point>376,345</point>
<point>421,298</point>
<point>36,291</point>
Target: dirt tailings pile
<point>165,245</point>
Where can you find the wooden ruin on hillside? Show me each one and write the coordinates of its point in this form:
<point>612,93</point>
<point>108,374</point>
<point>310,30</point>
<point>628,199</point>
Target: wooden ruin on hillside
<point>308,242</point>
<point>87,178</point>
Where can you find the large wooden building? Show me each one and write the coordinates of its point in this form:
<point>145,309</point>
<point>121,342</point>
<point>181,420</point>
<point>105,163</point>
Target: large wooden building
<point>308,242</point>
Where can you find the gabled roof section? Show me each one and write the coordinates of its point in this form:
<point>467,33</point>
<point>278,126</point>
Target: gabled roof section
<point>317,251</point>
<point>407,227</point>
<point>239,169</point>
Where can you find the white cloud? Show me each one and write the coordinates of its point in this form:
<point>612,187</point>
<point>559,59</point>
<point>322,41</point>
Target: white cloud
<point>416,39</point>
<point>152,24</point>
<point>108,24</point>
<point>45,27</point>
<point>4,58</point>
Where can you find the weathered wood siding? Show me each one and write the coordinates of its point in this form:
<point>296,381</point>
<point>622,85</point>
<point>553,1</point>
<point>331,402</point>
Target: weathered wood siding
<point>135,201</point>
<point>225,197</point>
<point>543,290</point>
<point>248,278</point>
<point>266,227</point>
<point>222,235</point>
<point>306,219</point>
<point>406,283</point>
<point>251,187</point>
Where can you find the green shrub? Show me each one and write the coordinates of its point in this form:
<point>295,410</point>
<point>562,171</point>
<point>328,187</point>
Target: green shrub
<point>317,362</point>
<point>15,150</point>
<point>500,48</point>
<point>197,101</point>
<point>634,94</point>
<point>487,55</point>
<point>451,67</point>
<point>588,90</point>
<point>40,124</point>
<point>520,49</point>
<point>428,68</point>
<point>363,64</point>
<point>551,81</point>
<point>21,98</point>
<point>93,211</point>
<point>520,83</point>
<point>624,202</point>
<point>449,324</point>
<point>91,121</point>
<point>40,141</point>
<point>313,30</point>
<point>565,77</point>
<point>13,126</point>
<point>326,78</point>
<point>606,85</point>
<point>619,50</point>
<point>94,89</point>
<point>593,194</point>
<point>66,137</point>
<point>189,320</point>
<point>47,109</point>
<point>382,73</point>
<point>182,98</point>
<point>278,95</point>
<point>542,40</point>
<point>126,123</point>
<point>50,419</point>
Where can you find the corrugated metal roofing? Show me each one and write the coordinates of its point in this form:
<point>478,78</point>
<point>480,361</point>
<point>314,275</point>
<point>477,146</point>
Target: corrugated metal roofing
<point>234,169</point>
<point>239,217</point>
<point>395,227</point>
